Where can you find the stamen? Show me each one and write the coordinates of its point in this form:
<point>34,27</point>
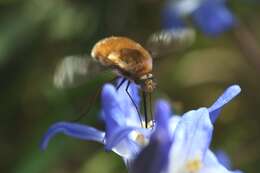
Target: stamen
<point>193,166</point>
<point>139,138</point>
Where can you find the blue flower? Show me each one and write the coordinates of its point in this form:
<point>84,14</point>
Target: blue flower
<point>175,145</point>
<point>123,135</point>
<point>184,147</point>
<point>211,16</point>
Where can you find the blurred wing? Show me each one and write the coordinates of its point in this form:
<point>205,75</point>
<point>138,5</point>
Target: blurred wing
<point>73,70</point>
<point>169,41</point>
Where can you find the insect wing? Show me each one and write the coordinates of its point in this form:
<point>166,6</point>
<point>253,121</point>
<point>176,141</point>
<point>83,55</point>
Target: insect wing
<point>168,41</point>
<point>74,70</point>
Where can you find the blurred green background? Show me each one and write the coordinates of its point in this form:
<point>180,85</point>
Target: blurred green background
<point>36,34</point>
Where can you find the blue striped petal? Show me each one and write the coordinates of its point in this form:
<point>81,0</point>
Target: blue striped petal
<point>113,114</point>
<point>128,108</point>
<point>73,130</point>
<point>191,138</point>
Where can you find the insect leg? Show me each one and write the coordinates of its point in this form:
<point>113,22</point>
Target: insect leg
<point>121,83</point>
<point>139,114</point>
<point>89,106</point>
<point>145,109</point>
<point>151,111</point>
<point>93,98</point>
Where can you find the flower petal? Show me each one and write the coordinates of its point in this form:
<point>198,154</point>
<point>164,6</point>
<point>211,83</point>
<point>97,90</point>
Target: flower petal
<point>127,106</point>
<point>223,158</point>
<point>226,97</point>
<point>191,138</point>
<point>122,143</point>
<point>74,130</point>
<point>213,17</point>
<point>127,149</point>
<point>114,116</point>
<point>154,158</point>
<point>185,7</point>
<point>211,165</point>
<point>162,114</point>
<point>173,122</point>
<point>133,91</point>
<point>122,133</point>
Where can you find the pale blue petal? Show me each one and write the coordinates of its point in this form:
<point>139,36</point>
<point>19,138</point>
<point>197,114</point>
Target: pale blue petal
<point>226,97</point>
<point>117,136</point>
<point>127,149</point>
<point>191,138</point>
<point>73,130</point>
<point>113,114</point>
<point>127,106</point>
<point>122,133</point>
<point>133,91</point>
<point>223,158</point>
<point>173,122</point>
<point>212,165</point>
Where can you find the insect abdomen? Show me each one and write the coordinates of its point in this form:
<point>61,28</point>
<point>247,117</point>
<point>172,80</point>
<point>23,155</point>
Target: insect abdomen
<point>123,54</point>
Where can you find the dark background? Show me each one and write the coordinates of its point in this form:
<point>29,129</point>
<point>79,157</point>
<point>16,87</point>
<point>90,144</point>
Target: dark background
<point>36,34</point>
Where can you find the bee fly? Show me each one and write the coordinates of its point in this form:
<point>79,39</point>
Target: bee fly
<point>128,59</point>
<point>122,55</point>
